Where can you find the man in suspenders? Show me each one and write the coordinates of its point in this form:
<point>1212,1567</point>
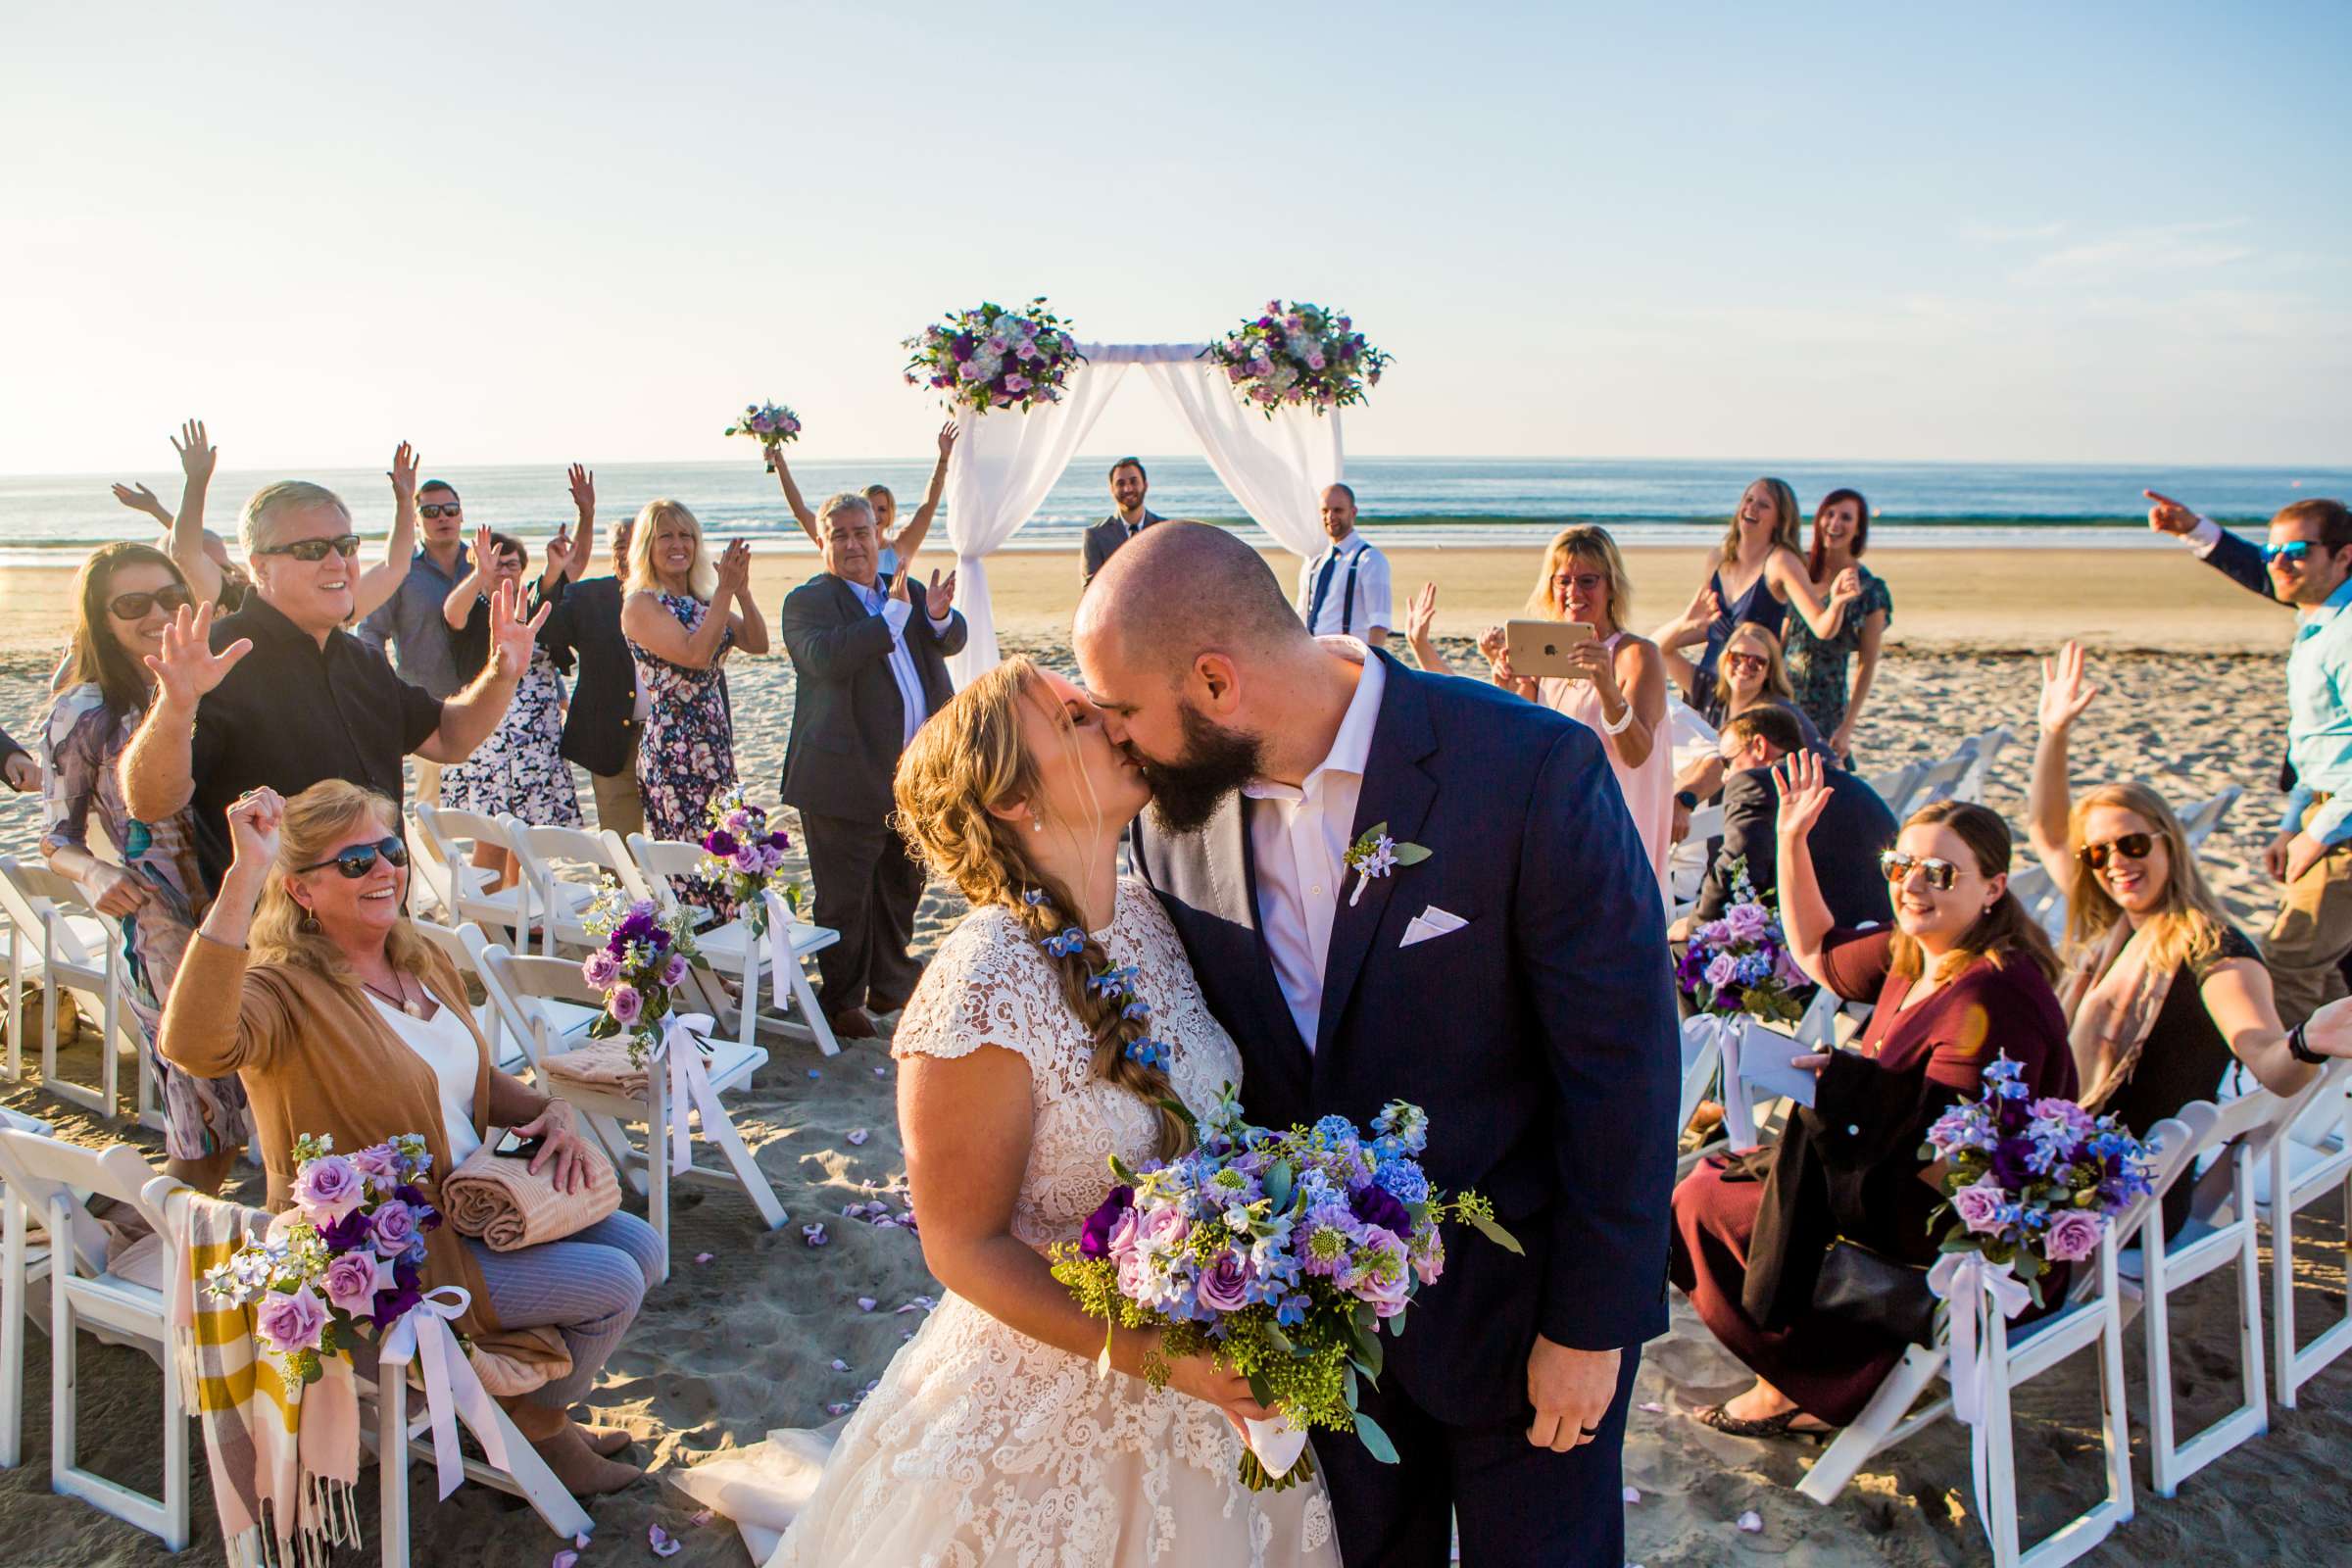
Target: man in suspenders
<point>1343,591</point>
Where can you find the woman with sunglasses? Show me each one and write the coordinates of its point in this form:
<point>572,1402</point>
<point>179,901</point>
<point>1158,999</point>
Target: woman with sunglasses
<point>124,597</point>
<point>1752,671</point>
<point>1964,975</point>
<point>345,1024</point>
<point>2161,992</point>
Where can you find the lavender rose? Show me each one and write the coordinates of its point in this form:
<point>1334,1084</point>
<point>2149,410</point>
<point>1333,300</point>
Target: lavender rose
<point>2073,1236</point>
<point>600,968</point>
<point>1225,1286</point>
<point>624,1004</point>
<point>1979,1206</point>
<point>1722,970</point>
<point>674,970</point>
<point>289,1322</point>
<point>380,1163</point>
<point>328,1188</point>
<point>351,1283</point>
<point>393,1228</point>
<point>1164,1230</point>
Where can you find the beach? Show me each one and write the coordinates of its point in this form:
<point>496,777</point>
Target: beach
<point>756,1330</point>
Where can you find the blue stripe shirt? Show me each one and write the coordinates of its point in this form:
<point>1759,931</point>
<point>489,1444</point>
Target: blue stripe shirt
<point>2318,725</point>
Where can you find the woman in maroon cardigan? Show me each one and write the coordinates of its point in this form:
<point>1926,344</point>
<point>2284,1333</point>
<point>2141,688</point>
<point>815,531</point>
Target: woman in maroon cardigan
<point>1962,978</point>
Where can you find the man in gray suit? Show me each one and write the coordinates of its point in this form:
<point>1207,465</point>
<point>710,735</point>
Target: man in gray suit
<point>1128,486</point>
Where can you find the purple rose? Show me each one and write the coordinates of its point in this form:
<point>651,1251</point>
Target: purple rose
<point>2073,1236</point>
<point>351,1281</point>
<point>1979,1206</point>
<point>1095,1240</point>
<point>328,1188</point>
<point>1164,1230</point>
<point>1377,1205</point>
<point>746,859</point>
<point>406,1291</point>
<point>380,1163</point>
<point>1748,922</point>
<point>1225,1286</point>
<point>624,1004</point>
<point>720,843</point>
<point>1123,1231</point>
<point>393,1228</point>
<point>600,968</point>
<point>636,926</point>
<point>1722,970</point>
<point>290,1322</point>
<point>779,840</point>
<point>674,970</point>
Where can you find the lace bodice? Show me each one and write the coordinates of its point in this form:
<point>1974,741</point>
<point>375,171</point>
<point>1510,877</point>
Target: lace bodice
<point>990,985</point>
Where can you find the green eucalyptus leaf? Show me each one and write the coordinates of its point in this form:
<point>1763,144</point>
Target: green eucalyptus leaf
<point>1262,1390</point>
<point>1376,1441</point>
<point>1410,855</point>
<point>1485,1226</point>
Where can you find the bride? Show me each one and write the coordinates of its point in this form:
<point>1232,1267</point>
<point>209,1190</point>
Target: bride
<point>991,1439</point>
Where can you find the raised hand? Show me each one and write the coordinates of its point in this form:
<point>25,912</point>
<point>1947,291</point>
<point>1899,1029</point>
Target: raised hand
<point>510,636</point>
<point>138,497</point>
<point>559,552</point>
<point>485,562</point>
<point>948,433</point>
<point>197,456</point>
<point>113,890</point>
<point>1804,796</point>
<point>735,571</point>
<point>22,773</point>
<point>583,489</point>
<point>2065,692</point>
<point>1704,608</point>
<point>2168,515</point>
<point>402,474</point>
<point>1421,615</point>
<point>187,667</point>
<point>254,819</point>
<point>940,597</point>
<point>1490,643</point>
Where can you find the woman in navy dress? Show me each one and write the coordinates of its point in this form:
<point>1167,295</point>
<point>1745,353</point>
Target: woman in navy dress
<point>1754,577</point>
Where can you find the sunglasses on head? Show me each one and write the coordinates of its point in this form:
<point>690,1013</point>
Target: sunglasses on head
<point>2130,845</point>
<point>437,510</point>
<point>357,861</point>
<point>2294,551</point>
<point>1897,866</point>
<point>345,544</point>
<point>134,606</point>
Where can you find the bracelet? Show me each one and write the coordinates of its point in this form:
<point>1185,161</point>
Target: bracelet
<point>2302,1053</point>
<point>1619,727</point>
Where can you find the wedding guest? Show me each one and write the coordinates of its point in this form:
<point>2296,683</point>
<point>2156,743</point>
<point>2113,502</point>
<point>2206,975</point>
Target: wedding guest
<point>1128,487</point>
<point>872,665</point>
<point>310,983</point>
<point>1754,577</point>
<point>2225,552</point>
<point>123,598</point>
<point>281,695</point>
<point>1619,690</point>
<point>1752,672</point>
<point>1817,666</point>
<point>683,616</point>
<point>898,543</point>
<point>1856,825</point>
<point>519,770</point>
<point>1344,592</point>
<point>2161,992</point>
<point>609,705</point>
<point>1963,976</point>
<point>17,766</point>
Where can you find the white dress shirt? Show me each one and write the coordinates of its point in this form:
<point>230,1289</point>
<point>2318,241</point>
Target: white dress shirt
<point>898,612</point>
<point>1371,597</point>
<point>1300,837</point>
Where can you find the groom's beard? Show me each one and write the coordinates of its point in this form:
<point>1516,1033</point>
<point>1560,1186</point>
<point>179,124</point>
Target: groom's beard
<point>1216,761</point>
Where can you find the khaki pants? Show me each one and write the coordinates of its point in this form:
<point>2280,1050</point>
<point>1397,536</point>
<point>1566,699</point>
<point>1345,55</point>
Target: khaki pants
<point>2310,937</point>
<point>428,782</point>
<point>618,805</point>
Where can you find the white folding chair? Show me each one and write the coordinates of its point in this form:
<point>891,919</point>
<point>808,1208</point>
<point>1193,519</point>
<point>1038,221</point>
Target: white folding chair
<point>1938,781</point>
<point>732,944</point>
<point>1686,862</point>
<point>2310,1158</point>
<point>519,985</point>
<point>505,1050</point>
<point>2043,899</point>
<point>24,1264</point>
<point>1896,788</point>
<point>451,836</point>
<point>1979,776</point>
<point>543,853</point>
<point>2200,819</point>
<point>433,885</point>
<point>81,956</point>
<point>87,1291</point>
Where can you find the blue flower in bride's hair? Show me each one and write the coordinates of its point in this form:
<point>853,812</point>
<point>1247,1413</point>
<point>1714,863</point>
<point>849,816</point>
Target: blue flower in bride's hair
<point>1137,1009</point>
<point>1111,981</point>
<point>1034,897</point>
<point>1148,1051</point>
<point>1070,942</point>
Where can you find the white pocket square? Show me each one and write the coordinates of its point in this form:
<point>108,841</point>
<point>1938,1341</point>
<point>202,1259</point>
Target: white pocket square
<point>1431,922</point>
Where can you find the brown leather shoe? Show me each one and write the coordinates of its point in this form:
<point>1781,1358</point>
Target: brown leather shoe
<point>876,1006</point>
<point>851,1023</point>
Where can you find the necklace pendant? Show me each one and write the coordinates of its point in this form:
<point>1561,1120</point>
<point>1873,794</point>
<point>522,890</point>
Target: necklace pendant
<point>414,1009</point>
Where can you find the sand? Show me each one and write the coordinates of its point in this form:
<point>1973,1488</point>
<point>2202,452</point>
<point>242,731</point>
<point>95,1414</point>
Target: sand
<point>745,1342</point>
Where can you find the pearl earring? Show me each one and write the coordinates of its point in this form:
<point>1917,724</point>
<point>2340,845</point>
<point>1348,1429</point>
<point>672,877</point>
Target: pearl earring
<point>1035,826</point>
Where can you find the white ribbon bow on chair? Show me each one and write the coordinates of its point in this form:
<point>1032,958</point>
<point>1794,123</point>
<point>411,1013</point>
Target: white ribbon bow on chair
<point>779,950</point>
<point>423,1335</point>
<point>682,1036</point>
<point>1738,1112</point>
<point>1965,1280</point>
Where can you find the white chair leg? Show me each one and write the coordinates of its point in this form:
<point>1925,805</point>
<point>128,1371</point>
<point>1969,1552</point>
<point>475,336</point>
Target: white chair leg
<point>2282,1272</point>
<point>109,1065</point>
<point>11,1331</point>
<point>61,1335</point>
<point>540,1489</point>
<point>657,1161</point>
<point>1862,1438</point>
<point>2115,1412</point>
<point>806,995</point>
<point>48,1004</point>
<point>392,1463</point>
<point>2156,1323</point>
<point>15,1004</point>
<point>2000,1459</point>
<point>747,1170</point>
<point>750,1008</point>
<point>177,1409</point>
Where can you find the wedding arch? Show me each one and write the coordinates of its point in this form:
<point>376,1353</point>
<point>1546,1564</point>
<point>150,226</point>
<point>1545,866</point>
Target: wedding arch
<point>1007,460</point>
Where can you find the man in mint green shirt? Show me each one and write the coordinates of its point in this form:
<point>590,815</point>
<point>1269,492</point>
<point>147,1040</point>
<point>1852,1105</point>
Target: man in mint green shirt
<point>2310,563</point>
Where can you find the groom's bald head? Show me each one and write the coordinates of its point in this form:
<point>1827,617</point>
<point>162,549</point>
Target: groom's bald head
<point>1178,590</point>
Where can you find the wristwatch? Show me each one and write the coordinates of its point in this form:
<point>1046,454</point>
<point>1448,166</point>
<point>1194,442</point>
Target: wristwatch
<point>1688,800</point>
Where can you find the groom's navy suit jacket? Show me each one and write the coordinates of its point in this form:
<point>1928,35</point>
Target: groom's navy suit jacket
<point>1540,1037</point>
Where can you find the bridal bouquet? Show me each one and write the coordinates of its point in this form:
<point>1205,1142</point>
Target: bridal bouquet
<point>1299,355</point>
<point>1281,1253</point>
<point>742,855</point>
<point>771,424</point>
<point>348,1252</point>
<point>993,358</point>
<point>2032,1182</point>
<point>1740,963</point>
<point>639,964</point>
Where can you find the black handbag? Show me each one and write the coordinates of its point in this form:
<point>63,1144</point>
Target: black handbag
<point>1861,1286</point>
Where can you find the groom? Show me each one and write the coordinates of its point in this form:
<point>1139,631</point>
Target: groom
<point>1514,984</point>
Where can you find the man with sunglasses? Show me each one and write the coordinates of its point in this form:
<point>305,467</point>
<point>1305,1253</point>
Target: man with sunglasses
<point>281,695</point>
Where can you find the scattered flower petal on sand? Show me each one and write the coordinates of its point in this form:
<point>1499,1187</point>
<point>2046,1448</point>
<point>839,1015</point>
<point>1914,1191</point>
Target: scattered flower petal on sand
<point>839,1365</point>
<point>866,1304</point>
<point>1752,1522</point>
<point>1654,1407</point>
<point>704,1257</point>
<point>814,1234</point>
<point>1632,1494</point>
<point>564,1559</point>
<point>702,1517</point>
<point>857,1136</point>
<point>658,1538</point>
<point>837,1407</point>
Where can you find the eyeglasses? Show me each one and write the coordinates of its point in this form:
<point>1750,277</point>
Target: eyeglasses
<point>1755,662</point>
<point>2130,845</point>
<point>1586,582</point>
<point>2294,551</point>
<point>310,550</point>
<point>436,511</point>
<point>1897,866</point>
<point>134,606</point>
<point>358,859</point>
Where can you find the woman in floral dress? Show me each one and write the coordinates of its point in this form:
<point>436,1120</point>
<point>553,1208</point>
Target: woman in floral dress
<point>681,616</point>
<point>519,770</point>
<point>1817,664</point>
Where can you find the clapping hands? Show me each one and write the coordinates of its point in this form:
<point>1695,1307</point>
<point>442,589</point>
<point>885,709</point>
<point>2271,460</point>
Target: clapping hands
<point>734,570</point>
<point>187,667</point>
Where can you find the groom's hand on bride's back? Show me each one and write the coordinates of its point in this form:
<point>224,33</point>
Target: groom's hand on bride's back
<point>1571,1391</point>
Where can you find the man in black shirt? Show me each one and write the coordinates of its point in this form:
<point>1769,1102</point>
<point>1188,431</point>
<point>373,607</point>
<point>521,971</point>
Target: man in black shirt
<point>600,730</point>
<point>1845,842</point>
<point>281,695</point>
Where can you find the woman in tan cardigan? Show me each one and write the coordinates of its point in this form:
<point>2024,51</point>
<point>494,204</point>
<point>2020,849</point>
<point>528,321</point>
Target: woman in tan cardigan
<point>343,1021</point>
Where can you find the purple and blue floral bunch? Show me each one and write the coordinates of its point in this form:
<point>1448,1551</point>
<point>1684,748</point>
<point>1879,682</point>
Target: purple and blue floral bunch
<point>743,854</point>
<point>640,960</point>
<point>995,358</point>
<point>771,424</point>
<point>346,1259</point>
<point>2033,1182</point>
<point>1299,355</point>
<point>1281,1253</point>
<point>1740,963</point>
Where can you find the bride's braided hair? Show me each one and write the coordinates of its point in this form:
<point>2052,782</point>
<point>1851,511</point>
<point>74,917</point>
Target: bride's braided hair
<point>966,759</point>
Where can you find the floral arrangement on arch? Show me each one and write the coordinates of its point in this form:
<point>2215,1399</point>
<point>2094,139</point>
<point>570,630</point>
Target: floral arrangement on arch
<point>347,1253</point>
<point>1739,962</point>
<point>638,965</point>
<point>993,358</point>
<point>744,854</point>
<point>1282,1254</point>
<point>1298,356</point>
<point>771,424</point>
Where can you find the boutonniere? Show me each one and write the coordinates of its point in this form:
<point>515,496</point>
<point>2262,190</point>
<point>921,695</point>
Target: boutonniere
<point>1377,855</point>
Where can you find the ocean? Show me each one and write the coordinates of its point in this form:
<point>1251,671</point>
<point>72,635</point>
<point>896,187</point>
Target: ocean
<point>1447,501</point>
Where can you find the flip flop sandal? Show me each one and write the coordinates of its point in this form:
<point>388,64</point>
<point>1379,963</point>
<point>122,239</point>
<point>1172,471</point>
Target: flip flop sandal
<point>1770,1427</point>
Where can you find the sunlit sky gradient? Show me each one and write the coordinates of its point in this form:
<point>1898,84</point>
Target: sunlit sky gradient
<point>530,234</point>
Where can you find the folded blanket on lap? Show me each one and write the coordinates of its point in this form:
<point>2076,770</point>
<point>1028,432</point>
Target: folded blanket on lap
<point>501,1202</point>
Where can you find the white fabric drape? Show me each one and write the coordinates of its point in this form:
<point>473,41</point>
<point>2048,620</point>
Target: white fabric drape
<point>1277,468</point>
<point>1003,465</point>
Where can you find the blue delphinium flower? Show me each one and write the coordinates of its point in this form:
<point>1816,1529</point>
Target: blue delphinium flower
<point>1403,1180</point>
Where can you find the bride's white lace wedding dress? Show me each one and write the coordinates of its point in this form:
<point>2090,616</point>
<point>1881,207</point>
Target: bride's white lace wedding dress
<point>982,1446</point>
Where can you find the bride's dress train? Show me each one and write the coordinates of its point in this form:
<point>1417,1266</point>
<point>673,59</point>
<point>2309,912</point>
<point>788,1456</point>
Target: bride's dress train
<point>981,1445</point>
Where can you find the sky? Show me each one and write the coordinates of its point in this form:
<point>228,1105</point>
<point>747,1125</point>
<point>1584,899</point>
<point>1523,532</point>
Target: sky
<point>510,233</point>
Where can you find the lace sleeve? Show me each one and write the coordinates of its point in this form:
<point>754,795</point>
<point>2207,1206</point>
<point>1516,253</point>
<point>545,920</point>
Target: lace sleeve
<point>986,987</point>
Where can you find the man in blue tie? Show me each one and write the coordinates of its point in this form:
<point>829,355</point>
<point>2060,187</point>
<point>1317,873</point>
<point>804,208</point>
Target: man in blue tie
<point>1344,592</point>
<point>1129,484</point>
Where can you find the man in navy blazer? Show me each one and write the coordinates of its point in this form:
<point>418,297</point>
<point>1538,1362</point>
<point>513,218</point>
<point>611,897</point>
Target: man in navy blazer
<point>1513,983</point>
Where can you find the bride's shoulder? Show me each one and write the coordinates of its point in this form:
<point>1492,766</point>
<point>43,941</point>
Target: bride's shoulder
<point>986,985</point>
